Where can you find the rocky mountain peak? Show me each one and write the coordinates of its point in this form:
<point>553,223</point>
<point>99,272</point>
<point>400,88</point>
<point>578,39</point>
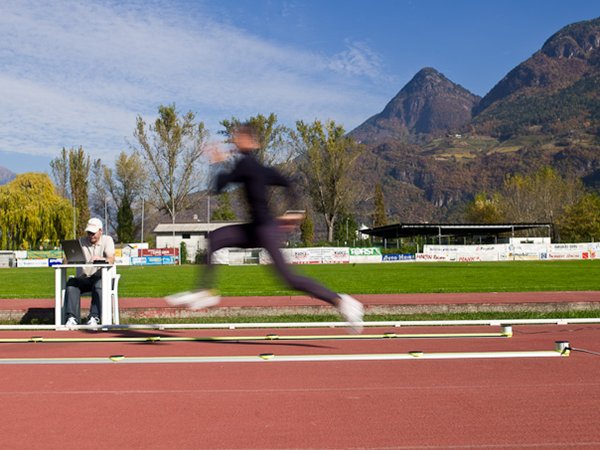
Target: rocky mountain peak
<point>426,80</point>
<point>428,104</point>
<point>565,58</point>
<point>6,175</point>
<point>577,40</point>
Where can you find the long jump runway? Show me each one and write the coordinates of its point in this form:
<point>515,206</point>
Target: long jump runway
<point>412,388</point>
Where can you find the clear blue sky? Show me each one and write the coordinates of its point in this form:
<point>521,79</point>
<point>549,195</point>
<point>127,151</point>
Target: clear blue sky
<point>78,73</point>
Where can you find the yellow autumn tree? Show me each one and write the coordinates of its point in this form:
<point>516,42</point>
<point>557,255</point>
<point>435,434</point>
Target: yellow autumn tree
<point>32,214</point>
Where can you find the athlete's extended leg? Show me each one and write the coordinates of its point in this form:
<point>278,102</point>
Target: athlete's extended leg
<point>269,240</point>
<point>229,236</point>
<point>350,309</point>
<point>204,296</point>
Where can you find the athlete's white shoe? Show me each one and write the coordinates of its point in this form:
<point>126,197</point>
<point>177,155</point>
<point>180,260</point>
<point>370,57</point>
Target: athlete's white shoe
<point>352,311</point>
<point>200,299</point>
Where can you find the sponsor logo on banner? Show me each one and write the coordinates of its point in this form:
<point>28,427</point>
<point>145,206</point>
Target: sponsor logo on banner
<point>393,257</point>
<point>306,256</point>
<point>365,251</point>
<point>32,262</point>
<point>335,255</point>
<point>469,259</point>
<point>567,255</point>
<point>153,260</point>
<point>440,249</point>
<point>427,257</point>
<point>158,252</point>
<point>486,248</point>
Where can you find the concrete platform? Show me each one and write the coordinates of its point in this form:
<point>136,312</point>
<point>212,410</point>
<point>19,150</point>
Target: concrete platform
<point>28,310</point>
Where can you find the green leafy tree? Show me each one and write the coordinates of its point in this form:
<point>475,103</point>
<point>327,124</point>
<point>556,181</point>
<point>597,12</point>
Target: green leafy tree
<point>32,213</point>
<point>71,172</point>
<point>171,149</point>
<point>79,171</point>
<point>581,221</point>
<point>327,161</point>
<point>224,210</point>
<point>183,253</point>
<point>125,225</point>
<point>273,138</point>
<point>307,230</point>
<point>345,229</point>
<point>274,150</point>
<point>379,215</point>
<point>124,185</point>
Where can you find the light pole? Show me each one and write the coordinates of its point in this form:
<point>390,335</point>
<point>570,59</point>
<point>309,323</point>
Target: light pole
<point>106,214</point>
<point>74,220</point>
<point>142,236</point>
<point>346,230</point>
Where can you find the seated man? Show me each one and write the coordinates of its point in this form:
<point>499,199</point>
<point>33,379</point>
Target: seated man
<point>96,247</point>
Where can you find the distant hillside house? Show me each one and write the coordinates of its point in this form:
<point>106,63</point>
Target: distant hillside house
<point>169,235</point>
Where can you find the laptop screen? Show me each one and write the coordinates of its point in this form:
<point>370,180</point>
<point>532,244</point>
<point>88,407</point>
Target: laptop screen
<point>73,251</point>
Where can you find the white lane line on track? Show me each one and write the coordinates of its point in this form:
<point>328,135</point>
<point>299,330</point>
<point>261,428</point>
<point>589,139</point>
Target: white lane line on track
<point>270,357</point>
<point>553,445</point>
<point>300,390</point>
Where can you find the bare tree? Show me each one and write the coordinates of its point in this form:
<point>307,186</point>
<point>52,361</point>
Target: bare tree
<point>60,173</point>
<point>99,192</point>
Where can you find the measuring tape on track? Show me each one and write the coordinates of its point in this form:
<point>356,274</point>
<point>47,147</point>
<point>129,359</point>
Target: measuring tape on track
<point>268,337</point>
<point>561,349</point>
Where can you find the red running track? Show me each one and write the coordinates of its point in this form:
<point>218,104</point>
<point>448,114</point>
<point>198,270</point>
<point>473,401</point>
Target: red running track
<point>433,404</point>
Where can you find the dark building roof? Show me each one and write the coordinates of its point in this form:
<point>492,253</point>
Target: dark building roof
<point>401,230</point>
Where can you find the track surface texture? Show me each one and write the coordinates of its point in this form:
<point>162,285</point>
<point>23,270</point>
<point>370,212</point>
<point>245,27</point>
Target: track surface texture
<point>459,403</point>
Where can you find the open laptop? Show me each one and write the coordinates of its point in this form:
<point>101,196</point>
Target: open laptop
<point>73,251</point>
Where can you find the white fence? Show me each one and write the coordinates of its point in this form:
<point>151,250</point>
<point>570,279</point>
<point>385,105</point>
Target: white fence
<point>304,255</point>
<point>509,252</point>
<point>516,250</point>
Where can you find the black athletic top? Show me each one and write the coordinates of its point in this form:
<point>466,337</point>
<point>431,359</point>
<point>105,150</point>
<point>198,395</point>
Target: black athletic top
<point>255,178</point>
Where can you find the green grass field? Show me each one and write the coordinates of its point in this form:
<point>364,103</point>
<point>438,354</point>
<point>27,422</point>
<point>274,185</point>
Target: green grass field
<point>354,279</point>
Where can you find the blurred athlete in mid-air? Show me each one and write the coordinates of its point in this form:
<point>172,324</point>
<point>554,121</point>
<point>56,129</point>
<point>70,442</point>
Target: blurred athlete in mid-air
<point>264,230</point>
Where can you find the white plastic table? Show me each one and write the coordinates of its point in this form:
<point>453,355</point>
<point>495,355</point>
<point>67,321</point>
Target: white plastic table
<point>107,272</point>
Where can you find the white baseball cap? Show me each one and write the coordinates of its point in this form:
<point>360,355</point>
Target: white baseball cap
<point>93,225</point>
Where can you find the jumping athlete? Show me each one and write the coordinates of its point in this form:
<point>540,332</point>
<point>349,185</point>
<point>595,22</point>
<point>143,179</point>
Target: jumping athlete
<point>263,230</point>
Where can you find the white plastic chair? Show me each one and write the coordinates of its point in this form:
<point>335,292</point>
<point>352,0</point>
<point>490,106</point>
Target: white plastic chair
<point>114,293</point>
